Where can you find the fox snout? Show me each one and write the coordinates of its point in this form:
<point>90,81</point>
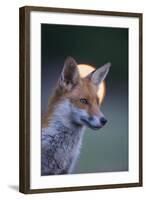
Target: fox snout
<point>94,122</point>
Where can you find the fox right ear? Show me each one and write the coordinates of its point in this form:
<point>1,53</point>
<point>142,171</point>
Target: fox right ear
<point>100,74</point>
<point>70,74</point>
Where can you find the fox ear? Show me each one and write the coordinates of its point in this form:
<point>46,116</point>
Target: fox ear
<point>100,74</point>
<point>70,74</point>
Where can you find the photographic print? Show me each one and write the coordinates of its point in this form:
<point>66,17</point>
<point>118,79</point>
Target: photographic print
<point>80,83</point>
<point>74,109</point>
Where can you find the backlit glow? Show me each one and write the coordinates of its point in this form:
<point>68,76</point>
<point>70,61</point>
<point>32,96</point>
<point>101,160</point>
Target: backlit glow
<point>84,70</point>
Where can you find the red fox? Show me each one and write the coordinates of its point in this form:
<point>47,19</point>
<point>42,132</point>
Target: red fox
<point>73,106</point>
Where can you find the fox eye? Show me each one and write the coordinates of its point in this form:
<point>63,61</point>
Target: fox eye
<point>84,101</point>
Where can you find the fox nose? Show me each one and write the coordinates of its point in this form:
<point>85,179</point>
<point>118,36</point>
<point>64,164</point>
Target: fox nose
<point>103,121</point>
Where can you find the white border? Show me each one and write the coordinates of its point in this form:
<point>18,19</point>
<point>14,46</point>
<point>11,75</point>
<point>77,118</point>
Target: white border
<point>132,176</point>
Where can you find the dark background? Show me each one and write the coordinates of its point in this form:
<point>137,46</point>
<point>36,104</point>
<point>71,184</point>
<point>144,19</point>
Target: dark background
<point>107,149</point>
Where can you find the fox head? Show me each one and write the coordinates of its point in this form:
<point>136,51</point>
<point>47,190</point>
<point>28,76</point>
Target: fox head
<point>82,94</point>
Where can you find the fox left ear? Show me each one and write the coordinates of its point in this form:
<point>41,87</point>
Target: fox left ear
<point>100,74</point>
<point>70,74</point>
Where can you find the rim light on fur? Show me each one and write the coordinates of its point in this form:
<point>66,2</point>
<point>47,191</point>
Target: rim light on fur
<point>84,70</point>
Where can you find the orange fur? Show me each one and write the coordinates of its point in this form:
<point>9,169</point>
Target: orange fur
<point>86,90</point>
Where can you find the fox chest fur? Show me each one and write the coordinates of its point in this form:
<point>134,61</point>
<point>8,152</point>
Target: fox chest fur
<point>61,142</point>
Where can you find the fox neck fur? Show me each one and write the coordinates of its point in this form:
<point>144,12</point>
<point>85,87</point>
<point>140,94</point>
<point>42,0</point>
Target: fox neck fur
<point>61,141</point>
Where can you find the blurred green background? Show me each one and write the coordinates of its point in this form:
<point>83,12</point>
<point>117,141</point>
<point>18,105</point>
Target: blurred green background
<point>104,150</point>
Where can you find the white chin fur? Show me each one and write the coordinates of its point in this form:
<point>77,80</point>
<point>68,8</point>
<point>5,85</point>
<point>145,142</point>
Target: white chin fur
<point>77,114</point>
